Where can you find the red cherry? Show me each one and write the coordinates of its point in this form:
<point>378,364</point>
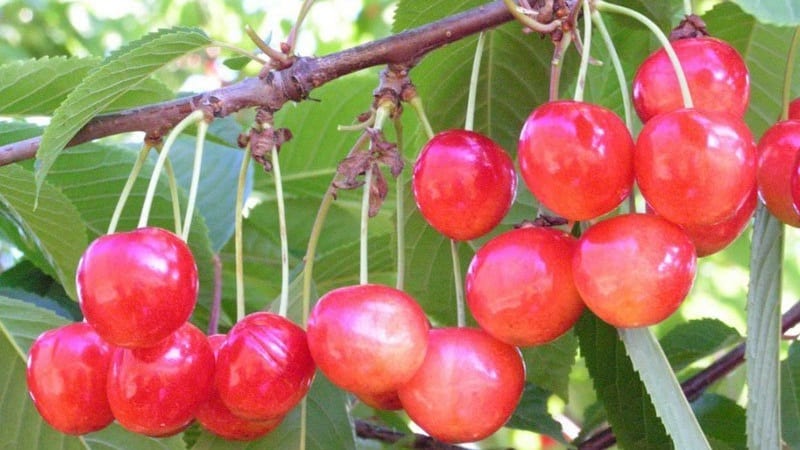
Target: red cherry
<point>795,184</point>
<point>695,168</point>
<point>794,109</point>
<point>155,391</point>
<point>468,386</point>
<point>137,288</point>
<point>464,184</point>
<point>576,158</point>
<point>215,417</point>
<point>519,286</point>
<point>386,401</point>
<point>717,76</point>
<point>709,239</point>
<point>634,270</point>
<point>264,367</point>
<point>66,374</point>
<point>368,338</point>
<point>777,153</point>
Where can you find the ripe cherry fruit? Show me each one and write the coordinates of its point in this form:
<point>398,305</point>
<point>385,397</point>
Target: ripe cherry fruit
<point>519,286</point>
<point>694,167</point>
<point>468,386</point>
<point>576,158</point>
<point>709,239</point>
<point>138,287</point>
<point>368,339</point>
<point>717,76</point>
<point>634,270</point>
<point>777,153</point>
<point>155,391</point>
<point>264,368</point>
<point>464,184</point>
<point>66,374</point>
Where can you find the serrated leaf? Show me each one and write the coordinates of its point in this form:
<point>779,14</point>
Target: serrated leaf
<point>723,421</point>
<point>329,426</point>
<point>120,72</point>
<point>775,12</point>
<point>237,62</point>
<point>20,324</point>
<point>628,406</point>
<point>532,415</point>
<point>55,229</point>
<point>548,366</point>
<point>697,339</point>
<point>790,396</point>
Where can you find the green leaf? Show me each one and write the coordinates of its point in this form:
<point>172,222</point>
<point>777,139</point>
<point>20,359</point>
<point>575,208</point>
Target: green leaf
<point>548,366</point>
<point>790,396</point>
<point>697,339</point>
<point>122,71</point>
<point>532,415</point>
<point>762,353</point>
<point>55,230</point>
<point>665,391</point>
<point>628,406</point>
<point>329,426</point>
<point>775,12</point>
<point>20,324</point>
<point>722,420</point>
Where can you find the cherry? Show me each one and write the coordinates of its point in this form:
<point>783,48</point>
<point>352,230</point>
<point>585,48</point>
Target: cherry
<point>464,184</point>
<point>717,76</point>
<point>519,286</point>
<point>368,339</point>
<point>794,109</point>
<point>66,374</point>
<point>264,368</point>
<point>693,167</point>
<point>634,270</point>
<point>387,401</point>
<point>795,184</point>
<point>777,153</point>
<point>138,287</point>
<point>576,158</point>
<point>468,386</point>
<point>215,417</point>
<point>155,391</point>
<point>709,239</point>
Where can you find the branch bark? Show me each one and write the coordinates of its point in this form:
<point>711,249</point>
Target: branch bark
<point>276,88</point>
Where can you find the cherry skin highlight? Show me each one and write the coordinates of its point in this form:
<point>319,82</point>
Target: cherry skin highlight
<point>717,76</point>
<point>468,386</point>
<point>576,158</point>
<point>138,287</point>
<point>66,373</point>
<point>634,270</point>
<point>368,339</point>
<point>464,184</point>
<point>155,391</point>
<point>264,368</point>
<point>519,286</point>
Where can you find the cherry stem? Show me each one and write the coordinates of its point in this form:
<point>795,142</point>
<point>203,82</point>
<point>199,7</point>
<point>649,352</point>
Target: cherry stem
<point>283,309</point>
<point>311,249</point>
<point>556,64</point>
<point>662,38</point>
<point>469,123</point>
<point>461,315</point>
<point>216,302</point>
<point>202,128</point>
<point>195,116</point>
<point>687,7</point>
<point>617,63</point>
<point>304,9</point>
<point>400,223</point>
<point>243,52</point>
<point>364,230</point>
<point>126,190</point>
<point>419,108</point>
<point>173,192</point>
<point>587,45</point>
<point>529,22</point>
<point>788,74</point>
<point>237,235</point>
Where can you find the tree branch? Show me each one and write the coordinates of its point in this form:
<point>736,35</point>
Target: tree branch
<point>276,88</point>
<point>368,430</point>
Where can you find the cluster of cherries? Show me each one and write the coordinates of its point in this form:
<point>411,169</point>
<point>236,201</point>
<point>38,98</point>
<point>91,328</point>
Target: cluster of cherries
<point>136,359</point>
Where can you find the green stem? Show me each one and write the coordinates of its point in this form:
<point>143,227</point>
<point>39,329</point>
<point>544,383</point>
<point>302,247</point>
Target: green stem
<point>662,38</point>
<point>473,83</point>
<point>240,51</point>
<point>174,197</point>
<point>587,46</point>
<point>617,63</point>
<point>126,190</point>
<point>400,223</point>
<point>195,116</point>
<point>283,309</point>
<point>364,231</point>
<point>311,249</point>
<point>461,315</point>
<point>788,73</point>
<point>237,235</point>
<point>530,22</point>
<point>687,7</point>
<point>419,108</point>
<point>202,128</point>
<point>301,16</point>
<point>557,64</point>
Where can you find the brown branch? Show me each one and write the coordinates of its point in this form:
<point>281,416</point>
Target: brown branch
<point>694,387</point>
<point>278,87</point>
<point>368,430</point>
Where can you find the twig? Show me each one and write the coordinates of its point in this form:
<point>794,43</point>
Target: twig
<point>368,430</point>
